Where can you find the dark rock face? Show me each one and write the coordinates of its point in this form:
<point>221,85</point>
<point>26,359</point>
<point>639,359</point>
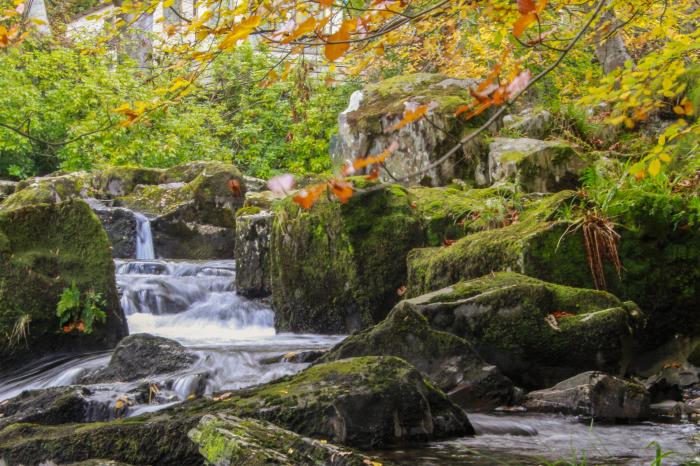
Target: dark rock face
<point>336,268</point>
<point>6,188</point>
<point>141,355</point>
<point>50,406</point>
<point>536,332</point>
<point>449,361</point>
<point>253,254</point>
<point>225,440</point>
<point>176,238</point>
<point>43,249</point>
<point>368,402</point>
<point>120,225</point>
<point>593,394</point>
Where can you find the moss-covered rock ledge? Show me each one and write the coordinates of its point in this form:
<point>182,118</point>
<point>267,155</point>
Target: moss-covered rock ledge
<point>368,402</point>
<point>336,268</point>
<point>537,332</point>
<point>43,249</point>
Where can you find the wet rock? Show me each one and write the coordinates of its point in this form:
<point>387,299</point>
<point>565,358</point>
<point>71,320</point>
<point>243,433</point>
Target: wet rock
<point>363,125</point>
<point>536,332</point>
<point>225,440</point>
<point>671,382</point>
<point>142,355</point>
<point>254,184</point>
<point>369,402</point>
<point>534,165</point>
<point>120,225</point>
<point>449,361</point>
<point>530,123</point>
<point>336,268</point>
<point>56,405</point>
<point>252,254</point>
<point>595,395</point>
<point>295,357</point>
<point>43,249</point>
<point>175,238</point>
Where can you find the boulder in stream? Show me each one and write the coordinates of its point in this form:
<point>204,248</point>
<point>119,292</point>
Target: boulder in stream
<point>448,360</point>
<point>536,332</point>
<point>252,253</point>
<point>367,402</point>
<point>337,268</point>
<point>45,248</point>
<point>142,355</point>
<point>593,395</point>
<point>225,440</point>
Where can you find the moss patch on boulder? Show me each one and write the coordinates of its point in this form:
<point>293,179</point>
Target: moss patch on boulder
<point>370,402</point>
<point>43,249</point>
<point>49,190</point>
<point>336,268</point>
<point>537,332</point>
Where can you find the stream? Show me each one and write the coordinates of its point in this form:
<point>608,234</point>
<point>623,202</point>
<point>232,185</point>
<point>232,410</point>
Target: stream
<point>195,303</point>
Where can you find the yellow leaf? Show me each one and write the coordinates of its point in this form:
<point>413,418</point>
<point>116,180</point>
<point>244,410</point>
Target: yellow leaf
<point>679,110</point>
<point>665,157</point>
<point>337,44</point>
<point>240,31</point>
<point>654,167</point>
<point>523,22</point>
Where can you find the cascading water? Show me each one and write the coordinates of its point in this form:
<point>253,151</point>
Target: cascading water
<point>144,238</point>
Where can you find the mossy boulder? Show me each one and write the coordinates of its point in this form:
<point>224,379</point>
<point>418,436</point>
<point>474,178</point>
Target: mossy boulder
<point>119,181</point>
<point>534,165</point>
<point>536,332</point>
<point>448,360</point>
<point>336,268</point>
<point>449,213</point>
<point>49,190</point>
<point>225,440</point>
<point>496,249</point>
<point>363,126</point>
<point>43,249</point>
<point>370,402</point>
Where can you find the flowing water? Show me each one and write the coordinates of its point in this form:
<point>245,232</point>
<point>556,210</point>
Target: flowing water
<point>195,303</point>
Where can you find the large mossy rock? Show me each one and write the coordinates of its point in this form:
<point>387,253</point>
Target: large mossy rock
<point>7,188</point>
<point>534,165</point>
<point>448,360</point>
<point>120,181</point>
<point>495,249</point>
<point>225,440</point>
<point>536,332</point>
<point>43,249</point>
<point>363,126</point>
<point>49,189</point>
<point>369,402</point>
<point>659,249</point>
<point>336,268</point>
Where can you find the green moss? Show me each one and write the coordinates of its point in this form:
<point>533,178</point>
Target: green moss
<point>43,248</point>
<point>336,267</point>
<point>504,315</point>
<point>48,190</point>
<point>123,180</point>
<point>483,252</point>
<point>248,210</point>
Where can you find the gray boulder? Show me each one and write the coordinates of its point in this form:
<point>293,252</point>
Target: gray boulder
<point>530,123</point>
<point>142,355</point>
<point>595,395</point>
<point>120,225</point>
<point>534,165</point>
<point>252,254</point>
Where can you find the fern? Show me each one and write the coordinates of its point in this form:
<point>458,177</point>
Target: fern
<point>79,314</point>
<point>68,304</point>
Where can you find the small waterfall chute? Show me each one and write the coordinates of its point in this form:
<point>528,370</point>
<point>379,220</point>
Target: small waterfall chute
<point>144,238</point>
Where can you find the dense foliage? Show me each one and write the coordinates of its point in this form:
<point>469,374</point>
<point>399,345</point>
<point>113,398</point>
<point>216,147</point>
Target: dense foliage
<point>60,115</point>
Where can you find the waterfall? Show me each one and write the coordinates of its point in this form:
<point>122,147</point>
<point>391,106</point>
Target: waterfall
<point>144,238</point>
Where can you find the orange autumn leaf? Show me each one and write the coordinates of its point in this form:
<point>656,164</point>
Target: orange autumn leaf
<point>560,314</point>
<point>411,115</point>
<point>526,6</point>
<point>372,160</point>
<point>308,196</point>
<point>337,44</point>
<point>523,22</point>
<point>373,174</point>
<point>304,28</point>
<point>235,187</point>
<point>341,189</point>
